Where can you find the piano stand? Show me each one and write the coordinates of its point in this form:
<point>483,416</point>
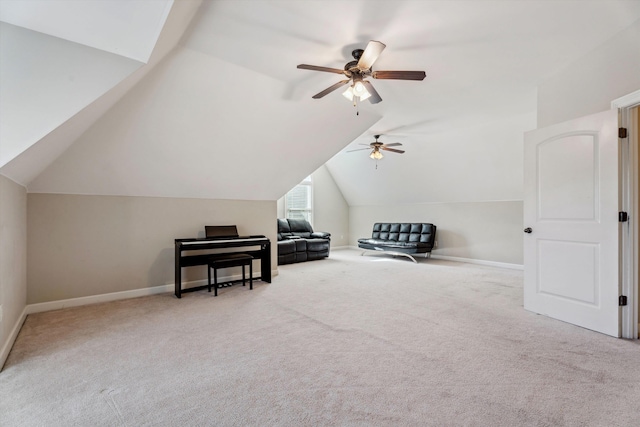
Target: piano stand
<point>189,253</point>
<point>226,261</point>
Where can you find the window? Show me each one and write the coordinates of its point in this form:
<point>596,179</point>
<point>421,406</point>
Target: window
<point>298,203</point>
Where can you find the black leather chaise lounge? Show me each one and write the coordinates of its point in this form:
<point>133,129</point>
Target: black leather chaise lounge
<point>403,239</point>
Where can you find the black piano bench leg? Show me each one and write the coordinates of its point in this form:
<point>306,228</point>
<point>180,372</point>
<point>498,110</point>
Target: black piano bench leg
<point>215,282</point>
<point>215,279</point>
<point>243,280</point>
<point>250,275</point>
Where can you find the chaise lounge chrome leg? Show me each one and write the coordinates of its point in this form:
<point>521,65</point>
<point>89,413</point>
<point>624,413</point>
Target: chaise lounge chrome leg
<point>390,253</point>
<point>408,256</point>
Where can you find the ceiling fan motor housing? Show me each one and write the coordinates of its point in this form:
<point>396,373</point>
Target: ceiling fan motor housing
<point>351,66</point>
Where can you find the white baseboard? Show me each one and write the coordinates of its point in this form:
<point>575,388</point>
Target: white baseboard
<point>467,260</point>
<point>11,339</point>
<point>134,293</point>
<point>480,262</point>
<point>94,299</point>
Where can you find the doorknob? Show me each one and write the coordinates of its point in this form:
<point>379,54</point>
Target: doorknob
<point>528,230</point>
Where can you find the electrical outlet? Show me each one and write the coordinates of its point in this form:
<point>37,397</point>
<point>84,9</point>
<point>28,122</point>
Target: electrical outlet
<point>435,244</point>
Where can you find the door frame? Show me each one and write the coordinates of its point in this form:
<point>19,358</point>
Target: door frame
<point>629,198</point>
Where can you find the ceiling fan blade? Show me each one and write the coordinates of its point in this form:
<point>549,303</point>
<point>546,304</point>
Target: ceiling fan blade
<point>359,149</point>
<point>399,75</point>
<point>317,68</point>
<point>370,54</point>
<point>392,149</point>
<point>375,97</point>
<point>330,89</point>
<point>393,144</point>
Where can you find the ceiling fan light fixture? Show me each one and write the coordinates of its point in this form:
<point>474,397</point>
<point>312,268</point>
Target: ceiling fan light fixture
<point>348,93</point>
<point>358,90</point>
<point>357,70</point>
<point>365,96</point>
<point>376,155</point>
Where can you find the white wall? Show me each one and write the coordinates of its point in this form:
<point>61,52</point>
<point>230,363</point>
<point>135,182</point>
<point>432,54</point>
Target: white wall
<point>487,231</point>
<point>13,261</point>
<point>486,169</point>
<point>589,84</point>
<point>45,80</point>
<point>90,245</point>
<point>477,163</point>
<point>330,209</point>
<point>468,182</point>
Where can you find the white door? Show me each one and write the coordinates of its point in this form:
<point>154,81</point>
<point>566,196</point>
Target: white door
<point>571,222</point>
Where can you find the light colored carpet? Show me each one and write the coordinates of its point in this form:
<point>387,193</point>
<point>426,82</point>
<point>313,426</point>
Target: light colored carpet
<point>345,341</point>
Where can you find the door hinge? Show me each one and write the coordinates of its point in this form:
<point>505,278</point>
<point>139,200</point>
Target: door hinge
<point>622,217</point>
<point>622,300</point>
<point>622,132</point>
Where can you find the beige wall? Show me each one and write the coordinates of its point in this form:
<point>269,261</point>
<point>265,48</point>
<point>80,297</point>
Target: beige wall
<point>13,259</point>
<point>91,245</point>
<point>487,231</point>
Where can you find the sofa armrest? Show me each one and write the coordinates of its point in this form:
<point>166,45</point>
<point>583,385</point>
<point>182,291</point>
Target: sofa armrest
<point>321,235</point>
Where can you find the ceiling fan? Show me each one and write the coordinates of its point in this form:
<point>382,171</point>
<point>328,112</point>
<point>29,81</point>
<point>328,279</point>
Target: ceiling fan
<point>357,71</point>
<point>376,146</point>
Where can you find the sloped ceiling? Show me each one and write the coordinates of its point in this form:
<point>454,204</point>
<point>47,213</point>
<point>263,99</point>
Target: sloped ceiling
<point>188,131</point>
<point>52,90</point>
<point>228,115</point>
<point>45,80</point>
<point>125,28</point>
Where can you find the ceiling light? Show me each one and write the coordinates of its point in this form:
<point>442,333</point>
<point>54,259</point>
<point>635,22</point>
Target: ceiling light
<point>348,93</point>
<point>366,95</point>
<point>376,155</point>
<point>358,90</point>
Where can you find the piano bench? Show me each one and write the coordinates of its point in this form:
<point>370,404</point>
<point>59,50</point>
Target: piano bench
<point>229,260</point>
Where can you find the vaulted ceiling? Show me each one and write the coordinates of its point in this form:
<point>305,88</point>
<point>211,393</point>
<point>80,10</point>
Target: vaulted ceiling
<point>203,99</point>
